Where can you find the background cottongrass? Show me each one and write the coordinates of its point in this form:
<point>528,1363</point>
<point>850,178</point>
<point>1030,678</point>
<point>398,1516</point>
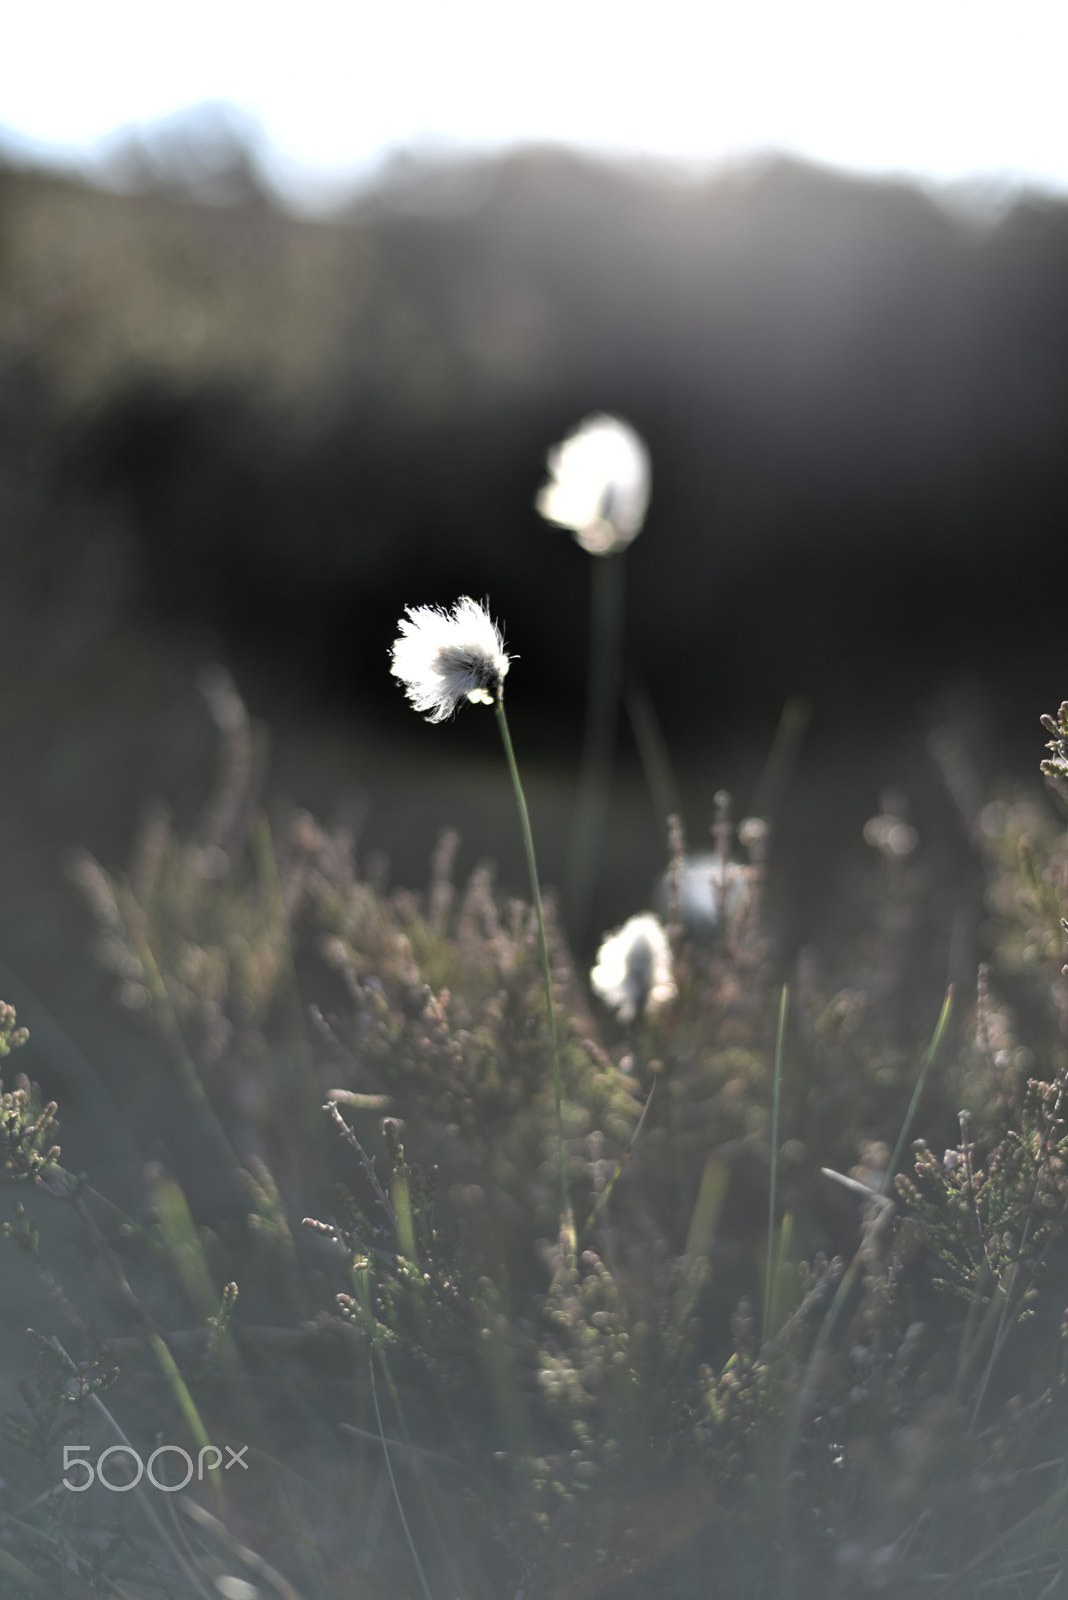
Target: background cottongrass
<point>600,480</point>
<point>633,972</point>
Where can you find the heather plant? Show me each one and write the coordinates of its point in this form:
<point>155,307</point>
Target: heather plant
<point>780,1346</point>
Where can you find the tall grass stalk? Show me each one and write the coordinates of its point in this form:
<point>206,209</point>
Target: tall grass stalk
<point>22,1575</point>
<point>398,1502</point>
<point>655,756</point>
<point>415,1457</point>
<point>708,1207</point>
<point>143,1498</point>
<point>928,1062</point>
<point>848,1280</point>
<point>977,1340</point>
<point>566,1222</point>
<point>791,729</point>
<point>605,678</point>
<point>849,1277</point>
<point>603,1197</point>
<point>152,1337</point>
<point>186,1404</point>
<point>776,1086</point>
<point>188,1075</point>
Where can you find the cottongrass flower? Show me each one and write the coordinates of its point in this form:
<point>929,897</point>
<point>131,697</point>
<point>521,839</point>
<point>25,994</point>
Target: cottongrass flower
<point>443,658</point>
<point>446,657</point>
<point>633,975</point>
<point>709,891</point>
<point>599,482</point>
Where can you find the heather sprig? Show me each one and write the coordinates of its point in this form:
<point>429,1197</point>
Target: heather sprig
<point>27,1124</point>
<point>1056,765</point>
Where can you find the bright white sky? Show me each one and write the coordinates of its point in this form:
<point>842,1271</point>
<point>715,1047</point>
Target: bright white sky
<point>947,89</point>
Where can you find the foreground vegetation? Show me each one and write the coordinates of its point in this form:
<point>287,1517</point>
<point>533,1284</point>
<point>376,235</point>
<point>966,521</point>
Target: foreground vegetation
<point>419,1383</point>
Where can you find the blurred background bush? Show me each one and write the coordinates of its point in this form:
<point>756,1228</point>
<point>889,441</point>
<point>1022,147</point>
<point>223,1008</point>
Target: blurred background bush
<point>231,434</point>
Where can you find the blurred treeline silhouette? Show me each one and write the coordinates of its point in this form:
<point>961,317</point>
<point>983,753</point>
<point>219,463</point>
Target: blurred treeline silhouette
<point>856,402</point>
<point>258,436</point>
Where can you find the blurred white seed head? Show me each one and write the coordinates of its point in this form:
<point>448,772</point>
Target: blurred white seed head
<point>445,657</point>
<point>633,974</point>
<point>709,889</point>
<point>892,836</point>
<point>599,482</point>
<point>237,1589</point>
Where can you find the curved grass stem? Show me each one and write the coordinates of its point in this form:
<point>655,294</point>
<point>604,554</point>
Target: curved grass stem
<point>917,1093</point>
<point>771,1281</point>
<point>566,1222</point>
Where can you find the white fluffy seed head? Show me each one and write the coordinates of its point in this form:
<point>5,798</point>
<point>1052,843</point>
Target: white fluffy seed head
<point>599,482</point>
<point>446,657</point>
<point>633,974</point>
<point>709,890</point>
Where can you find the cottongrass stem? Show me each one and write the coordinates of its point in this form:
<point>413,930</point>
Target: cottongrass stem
<point>602,715</point>
<point>444,658</point>
<point>598,488</point>
<point>566,1221</point>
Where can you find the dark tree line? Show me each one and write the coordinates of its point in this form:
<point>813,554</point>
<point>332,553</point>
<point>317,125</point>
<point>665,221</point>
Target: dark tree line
<point>856,401</point>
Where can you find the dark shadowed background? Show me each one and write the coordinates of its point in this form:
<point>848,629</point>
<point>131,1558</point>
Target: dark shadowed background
<point>230,435</point>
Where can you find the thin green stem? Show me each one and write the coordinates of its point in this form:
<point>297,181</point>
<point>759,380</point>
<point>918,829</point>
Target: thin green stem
<point>143,1497</point>
<point>774,1177</point>
<point>535,893</point>
<point>398,1502</point>
<point>654,753</point>
<point>22,1575</point>
<point>605,1195</point>
<point>455,1581</point>
<point>932,1051</point>
<point>606,665</point>
<point>781,757</point>
<point>187,1071</point>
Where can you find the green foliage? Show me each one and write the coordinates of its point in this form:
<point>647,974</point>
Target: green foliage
<point>66,1554</point>
<point>11,1036</point>
<point>990,1220</point>
<point>1057,764</point>
<point>384,1307</point>
<point>54,1403</point>
<point>26,1123</point>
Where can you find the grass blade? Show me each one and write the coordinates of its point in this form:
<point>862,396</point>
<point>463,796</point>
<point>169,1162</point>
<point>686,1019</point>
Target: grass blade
<point>928,1061</point>
<point>773,1177</point>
